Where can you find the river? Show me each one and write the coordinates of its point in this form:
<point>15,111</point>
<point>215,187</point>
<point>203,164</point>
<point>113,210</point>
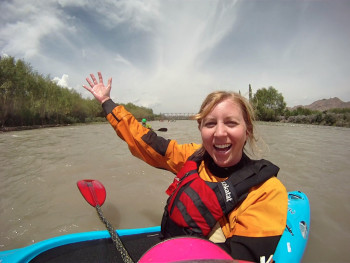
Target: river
<point>39,170</point>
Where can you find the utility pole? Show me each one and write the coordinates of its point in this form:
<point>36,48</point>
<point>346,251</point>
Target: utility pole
<point>250,93</point>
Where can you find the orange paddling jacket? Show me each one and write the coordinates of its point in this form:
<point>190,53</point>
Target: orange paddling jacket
<point>253,229</point>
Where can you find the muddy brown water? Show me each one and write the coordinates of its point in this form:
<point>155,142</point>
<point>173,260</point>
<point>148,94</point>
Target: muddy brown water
<point>39,170</point>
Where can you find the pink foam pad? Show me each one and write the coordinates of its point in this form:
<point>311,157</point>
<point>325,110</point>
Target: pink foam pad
<point>185,249</point>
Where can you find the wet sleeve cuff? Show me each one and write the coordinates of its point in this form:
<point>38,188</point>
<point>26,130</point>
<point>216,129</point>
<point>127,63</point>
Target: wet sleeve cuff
<point>108,106</point>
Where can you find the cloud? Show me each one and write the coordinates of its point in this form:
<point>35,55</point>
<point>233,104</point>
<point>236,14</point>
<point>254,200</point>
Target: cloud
<point>27,24</point>
<point>122,60</point>
<point>168,55</point>
<point>62,82</point>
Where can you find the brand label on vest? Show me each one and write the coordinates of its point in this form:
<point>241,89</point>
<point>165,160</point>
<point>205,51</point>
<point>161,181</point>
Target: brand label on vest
<point>228,194</point>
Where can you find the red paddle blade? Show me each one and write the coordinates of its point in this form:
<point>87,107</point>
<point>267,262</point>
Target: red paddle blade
<point>93,191</point>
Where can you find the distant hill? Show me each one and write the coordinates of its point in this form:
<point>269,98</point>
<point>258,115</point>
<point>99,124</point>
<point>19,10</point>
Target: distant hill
<point>325,104</point>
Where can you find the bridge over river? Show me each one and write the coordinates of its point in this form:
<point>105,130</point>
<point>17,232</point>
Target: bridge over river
<point>176,116</point>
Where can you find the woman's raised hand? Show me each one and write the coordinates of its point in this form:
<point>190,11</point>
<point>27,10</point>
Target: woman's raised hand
<point>98,89</point>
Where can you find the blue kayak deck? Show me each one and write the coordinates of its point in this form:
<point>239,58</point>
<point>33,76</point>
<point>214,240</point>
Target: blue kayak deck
<point>83,243</point>
<point>292,244</point>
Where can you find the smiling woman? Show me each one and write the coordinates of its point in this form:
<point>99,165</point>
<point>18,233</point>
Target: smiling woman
<point>219,193</point>
<point>224,130</point>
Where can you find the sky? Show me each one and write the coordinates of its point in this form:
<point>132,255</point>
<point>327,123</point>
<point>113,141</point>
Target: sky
<point>167,55</point>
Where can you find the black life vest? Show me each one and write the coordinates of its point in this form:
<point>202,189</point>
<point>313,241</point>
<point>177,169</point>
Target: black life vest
<point>194,205</point>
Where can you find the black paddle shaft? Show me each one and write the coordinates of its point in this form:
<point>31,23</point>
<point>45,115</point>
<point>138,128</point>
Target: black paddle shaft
<point>116,240</point>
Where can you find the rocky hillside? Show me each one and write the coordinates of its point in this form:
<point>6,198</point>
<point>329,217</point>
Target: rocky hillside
<point>326,104</point>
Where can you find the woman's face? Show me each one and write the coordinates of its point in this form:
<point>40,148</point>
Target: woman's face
<point>224,133</point>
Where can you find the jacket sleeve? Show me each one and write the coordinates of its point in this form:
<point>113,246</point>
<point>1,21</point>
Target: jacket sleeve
<point>144,143</point>
<point>257,225</point>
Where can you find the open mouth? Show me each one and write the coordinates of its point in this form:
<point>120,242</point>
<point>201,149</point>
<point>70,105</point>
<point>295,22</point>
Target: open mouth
<point>222,147</point>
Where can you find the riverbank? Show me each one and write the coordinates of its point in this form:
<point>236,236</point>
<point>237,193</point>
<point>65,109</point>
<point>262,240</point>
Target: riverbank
<point>23,128</point>
<point>34,127</point>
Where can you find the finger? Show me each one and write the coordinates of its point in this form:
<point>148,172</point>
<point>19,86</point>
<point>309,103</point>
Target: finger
<point>93,78</point>
<point>90,83</point>
<point>109,82</point>
<point>100,77</point>
<point>88,88</point>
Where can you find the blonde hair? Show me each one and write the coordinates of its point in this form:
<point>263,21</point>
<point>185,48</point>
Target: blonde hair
<point>216,97</point>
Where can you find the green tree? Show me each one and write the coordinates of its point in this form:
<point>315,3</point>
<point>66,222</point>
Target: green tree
<point>28,99</point>
<point>140,112</point>
<point>268,104</point>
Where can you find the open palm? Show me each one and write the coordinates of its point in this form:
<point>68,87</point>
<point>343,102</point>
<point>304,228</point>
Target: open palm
<point>98,89</point>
